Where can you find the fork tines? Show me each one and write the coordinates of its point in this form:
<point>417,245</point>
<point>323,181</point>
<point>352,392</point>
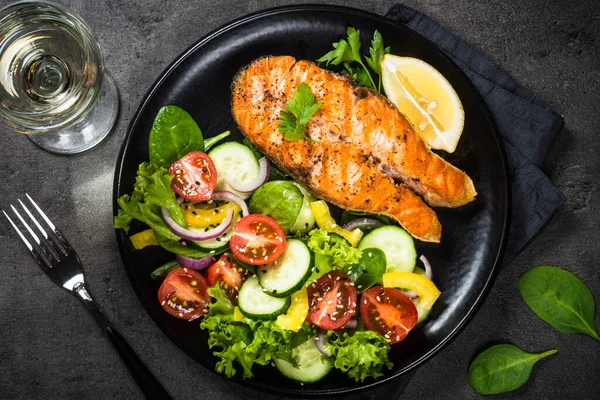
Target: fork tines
<point>51,248</point>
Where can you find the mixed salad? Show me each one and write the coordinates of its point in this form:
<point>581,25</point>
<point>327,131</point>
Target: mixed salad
<point>264,266</point>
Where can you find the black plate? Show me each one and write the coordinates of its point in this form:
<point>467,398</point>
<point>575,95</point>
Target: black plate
<point>473,235</point>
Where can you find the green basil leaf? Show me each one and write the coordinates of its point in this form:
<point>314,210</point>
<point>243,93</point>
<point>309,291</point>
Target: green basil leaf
<point>502,368</point>
<point>559,298</point>
<point>173,135</point>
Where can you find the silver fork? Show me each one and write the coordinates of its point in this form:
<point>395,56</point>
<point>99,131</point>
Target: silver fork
<point>61,263</point>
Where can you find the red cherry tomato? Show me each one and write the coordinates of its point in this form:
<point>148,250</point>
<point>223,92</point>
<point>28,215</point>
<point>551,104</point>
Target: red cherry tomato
<point>228,274</point>
<point>331,301</point>
<point>183,294</point>
<point>257,239</point>
<point>388,312</point>
<point>194,176</point>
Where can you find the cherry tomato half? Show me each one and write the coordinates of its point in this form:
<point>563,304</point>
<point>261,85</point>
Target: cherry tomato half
<point>194,176</point>
<point>388,312</point>
<point>228,274</point>
<point>183,294</point>
<point>331,301</point>
<point>257,239</point>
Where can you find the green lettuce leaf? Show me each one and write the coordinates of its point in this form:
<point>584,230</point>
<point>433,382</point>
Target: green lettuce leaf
<point>241,344</point>
<point>150,192</point>
<point>361,354</point>
<point>331,252</point>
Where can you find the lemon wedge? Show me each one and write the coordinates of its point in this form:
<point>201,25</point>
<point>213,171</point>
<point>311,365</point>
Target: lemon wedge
<point>426,98</point>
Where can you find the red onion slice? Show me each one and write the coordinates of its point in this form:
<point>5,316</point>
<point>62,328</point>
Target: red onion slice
<point>232,197</point>
<point>428,270</point>
<point>197,234</point>
<point>249,187</point>
<point>362,223</point>
<point>193,263</point>
<point>320,343</point>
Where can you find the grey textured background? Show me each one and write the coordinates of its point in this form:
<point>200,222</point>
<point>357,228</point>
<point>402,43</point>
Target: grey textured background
<point>50,348</point>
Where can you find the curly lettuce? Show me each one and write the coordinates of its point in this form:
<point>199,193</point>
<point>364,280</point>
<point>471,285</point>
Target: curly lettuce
<point>151,191</point>
<point>241,343</point>
<point>331,252</point>
<point>361,354</point>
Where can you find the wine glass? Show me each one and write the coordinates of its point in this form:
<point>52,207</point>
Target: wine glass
<point>53,85</point>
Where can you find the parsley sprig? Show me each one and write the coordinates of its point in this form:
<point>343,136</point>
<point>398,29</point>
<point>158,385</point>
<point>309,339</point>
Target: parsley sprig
<point>347,51</point>
<point>300,109</point>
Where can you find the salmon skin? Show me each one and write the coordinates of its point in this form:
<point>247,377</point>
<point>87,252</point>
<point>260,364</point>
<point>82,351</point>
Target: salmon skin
<point>364,145</point>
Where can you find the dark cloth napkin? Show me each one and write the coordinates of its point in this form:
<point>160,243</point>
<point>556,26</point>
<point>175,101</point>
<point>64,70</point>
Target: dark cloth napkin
<point>527,128</point>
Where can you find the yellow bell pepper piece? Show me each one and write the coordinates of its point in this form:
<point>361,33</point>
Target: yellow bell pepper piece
<point>296,314</point>
<point>143,239</point>
<point>237,314</point>
<point>426,289</point>
<point>205,215</point>
<point>325,220</point>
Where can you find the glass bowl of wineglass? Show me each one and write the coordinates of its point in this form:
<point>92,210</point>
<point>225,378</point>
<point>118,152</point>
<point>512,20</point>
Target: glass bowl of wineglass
<point>53,85</point>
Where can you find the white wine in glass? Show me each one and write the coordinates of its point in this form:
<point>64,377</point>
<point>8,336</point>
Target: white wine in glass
<point>53,85</point>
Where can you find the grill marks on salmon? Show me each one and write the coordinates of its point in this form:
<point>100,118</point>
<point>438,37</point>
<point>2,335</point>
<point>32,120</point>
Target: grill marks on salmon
<point>370,122</point>
<point>355,164</point>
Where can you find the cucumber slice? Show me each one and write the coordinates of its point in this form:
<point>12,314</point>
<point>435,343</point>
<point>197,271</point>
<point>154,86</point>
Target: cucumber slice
<point>396,243</point>
<point>288,273</point>
<point>312,365</point>
<point>306,219</point>
<point>255,303</point>
<point>236,162</point>
<point>422,313</point>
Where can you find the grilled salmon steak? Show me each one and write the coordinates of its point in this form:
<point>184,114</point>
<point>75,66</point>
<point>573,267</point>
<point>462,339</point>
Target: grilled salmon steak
<point>365,143</point>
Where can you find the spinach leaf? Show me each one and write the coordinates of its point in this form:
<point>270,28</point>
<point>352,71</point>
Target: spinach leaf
<point>369,269</point>
<point>559,298</point>
<point>280,200</point>
<point>210,142</point>
<point>161,272</point>
<point>173,135</point>
<point>502,368</point>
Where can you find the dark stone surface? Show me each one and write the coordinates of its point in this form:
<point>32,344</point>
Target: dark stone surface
<point>50,347</point>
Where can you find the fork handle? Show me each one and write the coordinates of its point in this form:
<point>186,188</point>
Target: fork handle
<point>149,385</point>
